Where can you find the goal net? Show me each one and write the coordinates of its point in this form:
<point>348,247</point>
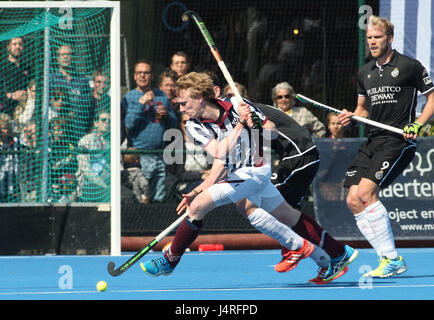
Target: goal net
<point>58,82</point>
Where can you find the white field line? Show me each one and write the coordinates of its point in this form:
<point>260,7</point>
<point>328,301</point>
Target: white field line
<point>215,289</point>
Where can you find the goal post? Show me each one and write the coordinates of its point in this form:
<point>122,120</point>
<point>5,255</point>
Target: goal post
<point>59,79</point>
<point>116,129</point>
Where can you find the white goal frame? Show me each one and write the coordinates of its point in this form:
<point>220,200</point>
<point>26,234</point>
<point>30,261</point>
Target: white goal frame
<point>115,86</point>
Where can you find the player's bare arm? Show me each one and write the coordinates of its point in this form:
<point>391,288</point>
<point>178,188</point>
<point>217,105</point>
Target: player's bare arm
<point>411,130</point>
<point>428,111</point>
<point>219,149</point>
<point>270,126</point>
<point>361,111</point>
<point>216,173</point>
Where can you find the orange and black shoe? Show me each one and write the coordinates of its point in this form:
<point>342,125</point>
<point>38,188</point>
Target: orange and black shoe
<point>291,258</point>
<point>321,273</point>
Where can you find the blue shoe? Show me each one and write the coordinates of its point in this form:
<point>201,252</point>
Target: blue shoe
<point>388,268</point>
<point>156,267</point>
<point>336,265</point>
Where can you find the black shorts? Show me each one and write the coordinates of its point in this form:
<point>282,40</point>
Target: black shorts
<point>380,160</point>
<point>294,175</point>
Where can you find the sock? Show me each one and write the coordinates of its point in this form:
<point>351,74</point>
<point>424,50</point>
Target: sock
<point>379,221</point>
<point>186,233</point>
<point>309,229</point>
<point>269,225</point>
<point>366,230</point>
<point>320,257</point>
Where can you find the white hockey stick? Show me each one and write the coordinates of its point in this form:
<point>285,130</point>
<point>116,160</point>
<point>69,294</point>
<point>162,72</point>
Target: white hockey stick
<point>373,123</point>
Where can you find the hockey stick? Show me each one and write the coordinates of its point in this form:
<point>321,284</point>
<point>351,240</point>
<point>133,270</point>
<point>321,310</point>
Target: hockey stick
<point>187,15</point>
<point>126,265</point>
<point>373,123</point>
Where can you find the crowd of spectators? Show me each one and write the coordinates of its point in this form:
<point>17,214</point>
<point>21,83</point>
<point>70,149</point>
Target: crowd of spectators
<point>74,130</point>
<point>53,154</point>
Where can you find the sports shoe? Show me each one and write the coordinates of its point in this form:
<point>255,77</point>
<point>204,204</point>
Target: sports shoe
<point>156,267</point>
<point>292,257</point>
<point>320,277</point>
<point>336,265</point>
<point>388,268</point>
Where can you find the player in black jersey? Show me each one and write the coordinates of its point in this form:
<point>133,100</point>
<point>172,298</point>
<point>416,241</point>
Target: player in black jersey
<point>387,90</point>
<point>240,173</point>
<point>298,156</point>
<point>299,162</point>
<point>222,128</point>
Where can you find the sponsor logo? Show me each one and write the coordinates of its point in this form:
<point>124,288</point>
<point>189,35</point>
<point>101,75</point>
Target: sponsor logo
<point>351,173</point>
<point>395,73</point>
<point>384,89</point>
<point>383,94</point>
<point>427,80</point>
<point>379,175</point>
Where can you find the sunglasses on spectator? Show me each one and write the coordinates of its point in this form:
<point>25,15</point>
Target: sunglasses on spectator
<point>286,96</point>
<point>104,119</point>
<point>230,95</point>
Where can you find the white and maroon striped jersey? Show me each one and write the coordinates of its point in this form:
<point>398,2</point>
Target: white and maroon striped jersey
<point>248,148</point>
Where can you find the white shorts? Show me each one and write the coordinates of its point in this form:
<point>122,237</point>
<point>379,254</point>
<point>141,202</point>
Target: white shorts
<point>252,183</point>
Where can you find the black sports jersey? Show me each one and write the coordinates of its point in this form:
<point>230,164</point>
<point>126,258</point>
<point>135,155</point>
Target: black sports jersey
<point>296,139</point>
<point>391,90</point>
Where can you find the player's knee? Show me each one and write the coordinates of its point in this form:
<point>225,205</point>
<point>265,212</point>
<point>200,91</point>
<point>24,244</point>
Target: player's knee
<point>353,201</point>
<point>195,212</point>
<point>366,196</point>
<point>199,209</point>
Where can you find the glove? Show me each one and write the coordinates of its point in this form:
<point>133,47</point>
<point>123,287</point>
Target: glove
<point>257,123</point>
<point>413,128</point>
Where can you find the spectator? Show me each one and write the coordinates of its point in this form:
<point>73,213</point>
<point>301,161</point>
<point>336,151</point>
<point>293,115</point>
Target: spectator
<point>147,115</point>
<point>14,76</point>
<point>100,91</point>
<point>25,110</point>
<point>28,173</point>
<point>283,96</point>
<point>93,174</point>
<point>166,83</point>
<point>228,93</point>
<point>58,105</point>
<point>137,181</point>
<point>313,79</point>
<point>28,135</point>
<point>180,63</point>
<point>335,128</point>
<point>76,88</point>
<point>217,84</point>
<point>271,72</point>
<point>9,162</point>
<point>62,182</point>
